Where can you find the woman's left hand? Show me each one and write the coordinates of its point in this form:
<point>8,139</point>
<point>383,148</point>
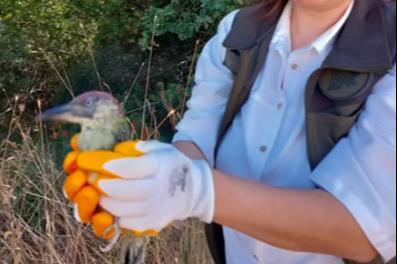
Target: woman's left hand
<point>151,191</point>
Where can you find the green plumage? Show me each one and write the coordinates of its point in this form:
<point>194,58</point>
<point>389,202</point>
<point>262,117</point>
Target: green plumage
<point>103,126</point>
<point>104,137</point>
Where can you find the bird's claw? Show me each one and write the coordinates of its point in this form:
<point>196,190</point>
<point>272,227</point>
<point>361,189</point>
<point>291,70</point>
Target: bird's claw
<point>114,240</point>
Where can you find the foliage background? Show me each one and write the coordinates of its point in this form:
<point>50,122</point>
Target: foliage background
<point>82,39</point>
<point>144,52</point>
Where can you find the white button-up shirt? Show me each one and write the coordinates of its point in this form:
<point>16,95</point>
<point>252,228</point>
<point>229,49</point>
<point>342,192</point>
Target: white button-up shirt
<point>267,141</point>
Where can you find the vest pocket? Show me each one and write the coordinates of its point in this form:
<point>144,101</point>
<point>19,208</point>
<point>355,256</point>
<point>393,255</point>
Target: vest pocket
<point>340,85</point>
<point>329,120</point>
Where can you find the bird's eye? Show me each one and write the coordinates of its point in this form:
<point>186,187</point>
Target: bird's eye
<point>89,103</point>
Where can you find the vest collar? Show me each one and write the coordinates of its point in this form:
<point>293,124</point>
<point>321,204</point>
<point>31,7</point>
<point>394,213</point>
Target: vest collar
<point>250,28</point>
<point>364,42</point>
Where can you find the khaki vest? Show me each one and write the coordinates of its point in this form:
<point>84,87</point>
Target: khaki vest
<point>364,52</point>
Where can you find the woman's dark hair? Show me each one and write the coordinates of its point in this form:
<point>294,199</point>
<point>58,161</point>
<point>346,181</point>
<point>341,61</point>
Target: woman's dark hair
<point>272,7</point>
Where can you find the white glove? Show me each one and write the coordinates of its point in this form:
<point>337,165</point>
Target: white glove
<point>161,187</point>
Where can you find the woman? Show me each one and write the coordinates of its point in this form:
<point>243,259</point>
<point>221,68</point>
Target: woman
<point>278,204</point>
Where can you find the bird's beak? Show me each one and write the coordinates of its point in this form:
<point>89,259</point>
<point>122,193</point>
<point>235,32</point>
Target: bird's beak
<point>65,113</point>
<point>56,113</point>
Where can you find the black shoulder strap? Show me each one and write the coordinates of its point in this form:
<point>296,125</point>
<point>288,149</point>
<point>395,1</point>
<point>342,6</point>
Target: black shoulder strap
<point>246,63</point>
<point>251,62</point>
<point>240,92</point>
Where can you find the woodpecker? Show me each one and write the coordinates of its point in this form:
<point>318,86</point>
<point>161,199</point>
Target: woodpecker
<point>103,126</point>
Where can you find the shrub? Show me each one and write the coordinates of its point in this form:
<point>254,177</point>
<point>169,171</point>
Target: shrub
<point>41,40</point>
<point>186,19</point>
<point>90,44</point>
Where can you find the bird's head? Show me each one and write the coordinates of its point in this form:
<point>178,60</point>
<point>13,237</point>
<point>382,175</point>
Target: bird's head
<point>86,109</point>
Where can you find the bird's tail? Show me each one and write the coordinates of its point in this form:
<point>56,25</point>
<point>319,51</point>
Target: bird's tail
<point>133,249</point>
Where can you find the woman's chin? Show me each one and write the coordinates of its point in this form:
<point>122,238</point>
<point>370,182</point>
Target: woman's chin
<point>321,5</point>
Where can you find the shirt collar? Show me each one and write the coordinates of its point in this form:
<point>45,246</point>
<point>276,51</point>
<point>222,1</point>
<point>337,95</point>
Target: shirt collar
<point>282,36</point>
<point>323,45</point>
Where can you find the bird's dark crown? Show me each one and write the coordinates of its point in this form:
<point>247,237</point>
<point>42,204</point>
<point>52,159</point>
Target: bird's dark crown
<point>92,99</point>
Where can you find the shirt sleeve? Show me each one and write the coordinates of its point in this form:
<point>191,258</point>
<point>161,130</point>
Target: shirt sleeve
<point>207,105</point>
<point>361,169</point>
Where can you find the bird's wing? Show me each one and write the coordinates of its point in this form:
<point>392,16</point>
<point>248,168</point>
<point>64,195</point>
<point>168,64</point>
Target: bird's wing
<point>124,132</point>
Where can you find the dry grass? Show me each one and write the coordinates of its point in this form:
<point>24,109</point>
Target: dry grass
<point>36,224</point>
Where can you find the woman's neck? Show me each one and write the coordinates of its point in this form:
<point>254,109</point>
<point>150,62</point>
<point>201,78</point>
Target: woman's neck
<point>308,24</point>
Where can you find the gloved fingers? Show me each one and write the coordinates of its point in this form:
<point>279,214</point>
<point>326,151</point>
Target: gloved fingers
<point>101,223</point>
<point>133,168</point>
<point>74,143</point>
<point>94,179</point>
<point>94,161</point>
<point>142,233</point>
<point>127,190</point>
<point>74,183</point>
<point>150,146</point>
<point>70,163</point>
<point>119,208</point>
<point>87,200</point>
<point>143,225</point>
<point>79,179</point>
<point>129,148</point>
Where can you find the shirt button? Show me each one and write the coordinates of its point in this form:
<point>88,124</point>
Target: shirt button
<point>295,66</point>
<point>280,106</point>
<point>263,149</point>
